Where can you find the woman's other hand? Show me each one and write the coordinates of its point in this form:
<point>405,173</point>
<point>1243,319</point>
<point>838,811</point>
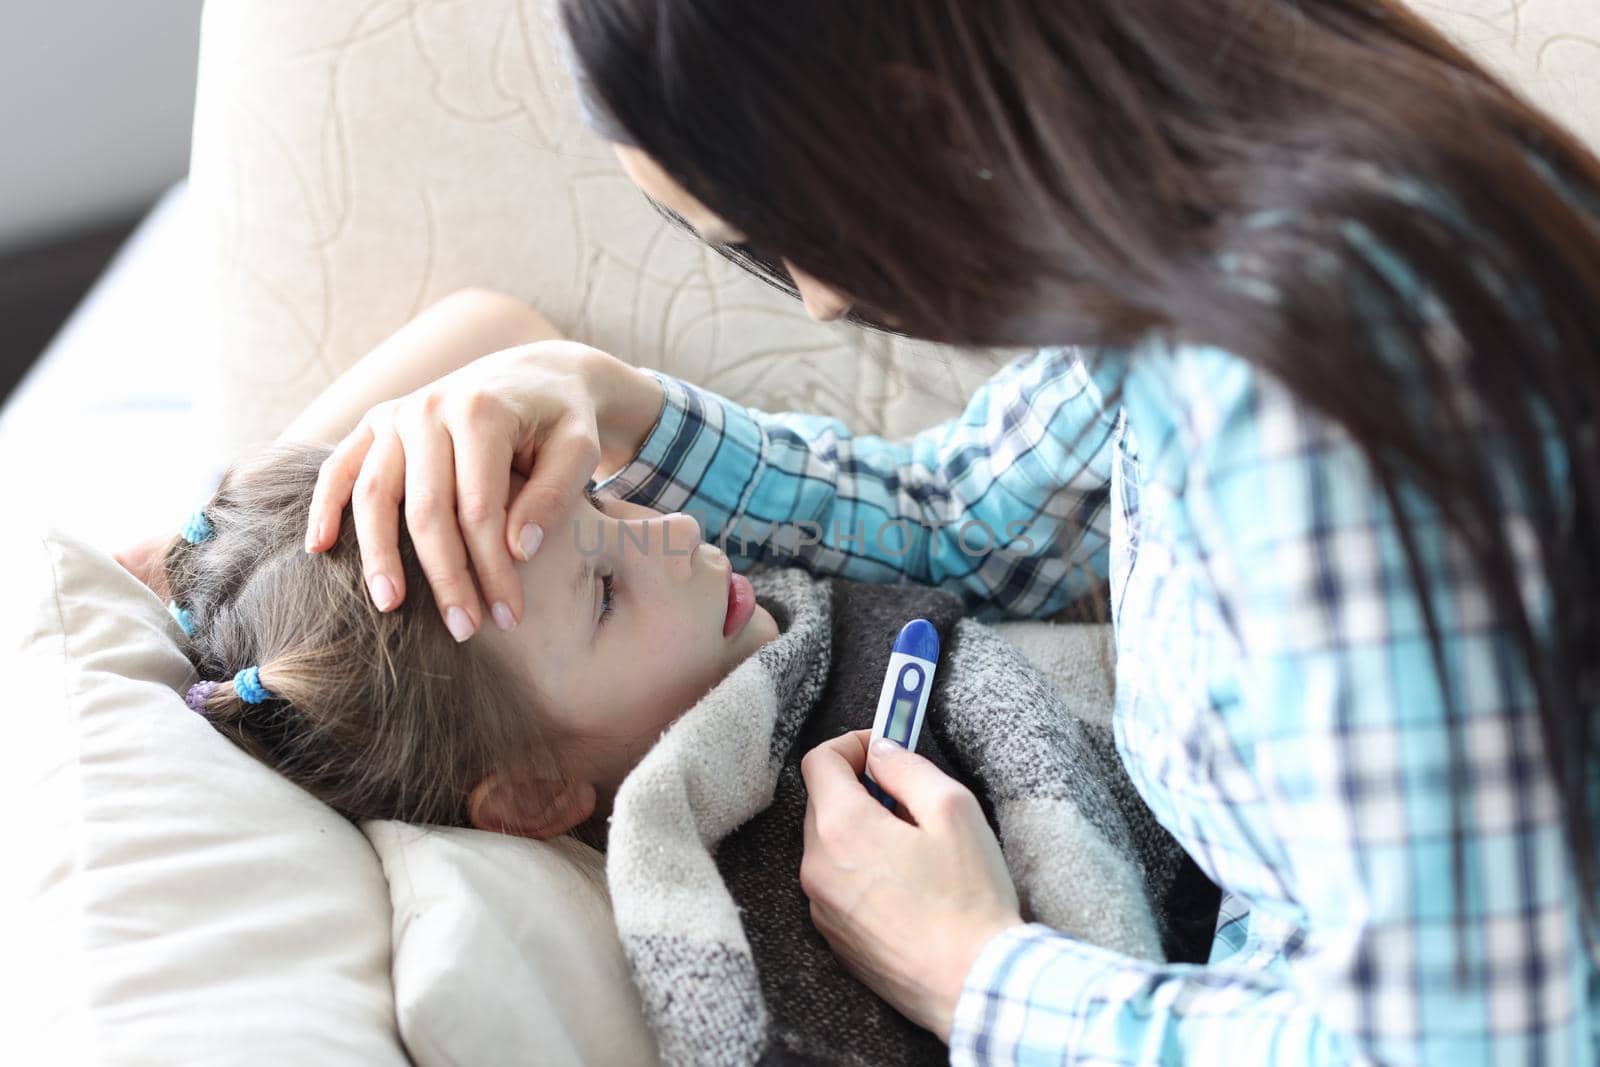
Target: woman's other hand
<point>552,410</point>
<point>905,905</point>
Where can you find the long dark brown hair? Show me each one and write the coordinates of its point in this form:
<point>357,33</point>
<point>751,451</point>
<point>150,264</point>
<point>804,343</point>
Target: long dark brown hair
<point>1099,172</point>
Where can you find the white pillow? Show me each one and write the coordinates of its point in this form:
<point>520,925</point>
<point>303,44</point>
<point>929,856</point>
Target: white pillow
<point>166,899</point>
<point>505,951</point>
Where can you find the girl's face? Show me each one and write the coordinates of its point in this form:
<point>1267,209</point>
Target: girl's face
<point>822,302</point>
<point>629,619</point>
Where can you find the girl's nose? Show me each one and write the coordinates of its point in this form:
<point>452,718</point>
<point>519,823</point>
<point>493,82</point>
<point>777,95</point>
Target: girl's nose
<point>680,536</point>
<point>660,544</point>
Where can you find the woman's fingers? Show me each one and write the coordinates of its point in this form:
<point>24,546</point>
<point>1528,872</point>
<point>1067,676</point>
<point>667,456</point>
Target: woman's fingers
<point>920,788</point>
<point>563,464</point>
<point>483,461</point>
<point>430,509</point>
<point>375,504</point>
<point>335,483</point>
<point>851,747</point>
<point>832,773</point>
<point>834,769</point>
<point>446,453</point>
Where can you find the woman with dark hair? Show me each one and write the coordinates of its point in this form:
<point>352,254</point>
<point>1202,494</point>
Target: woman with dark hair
<point>1321,301</point>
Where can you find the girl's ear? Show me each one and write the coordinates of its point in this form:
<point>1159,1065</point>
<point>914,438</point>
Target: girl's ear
<point>552,808</point>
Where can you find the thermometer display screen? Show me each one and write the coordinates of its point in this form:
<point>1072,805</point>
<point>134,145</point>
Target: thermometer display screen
<point>898,727</point>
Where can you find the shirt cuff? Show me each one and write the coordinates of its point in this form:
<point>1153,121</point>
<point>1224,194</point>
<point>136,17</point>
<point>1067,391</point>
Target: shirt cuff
<point>981,1000</point>
<point>704,456</point>
<point>992,1012</point>
<point>632,475</point>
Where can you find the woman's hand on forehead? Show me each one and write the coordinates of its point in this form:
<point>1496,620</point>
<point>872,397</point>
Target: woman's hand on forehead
<point>442,453</point>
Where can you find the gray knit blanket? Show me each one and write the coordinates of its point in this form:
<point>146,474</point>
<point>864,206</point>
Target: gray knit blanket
<point>705,838</point>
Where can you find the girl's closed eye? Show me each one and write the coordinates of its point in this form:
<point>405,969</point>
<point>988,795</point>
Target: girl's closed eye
<point>607,597</point>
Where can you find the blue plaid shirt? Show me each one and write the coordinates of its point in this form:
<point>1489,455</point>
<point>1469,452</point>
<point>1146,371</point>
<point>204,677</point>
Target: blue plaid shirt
<point>1276,705</point>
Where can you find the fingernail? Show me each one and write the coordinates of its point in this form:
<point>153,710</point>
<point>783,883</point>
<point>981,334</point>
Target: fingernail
<point>530,539</point>
<point>883,748</point>
<point>383,592</point>
<point>502,615</point>
<point>460,624</point>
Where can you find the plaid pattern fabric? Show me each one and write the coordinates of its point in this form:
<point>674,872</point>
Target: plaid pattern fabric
<point>1005,505</point>
<point>1277,708</point>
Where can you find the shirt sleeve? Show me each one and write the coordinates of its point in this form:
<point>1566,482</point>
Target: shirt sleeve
<point>1036,996</point>
<point>1005,505</point>
<point>1329,798</point>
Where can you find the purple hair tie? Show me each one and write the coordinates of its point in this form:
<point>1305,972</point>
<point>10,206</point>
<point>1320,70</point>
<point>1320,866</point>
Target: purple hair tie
<point>198,694</point>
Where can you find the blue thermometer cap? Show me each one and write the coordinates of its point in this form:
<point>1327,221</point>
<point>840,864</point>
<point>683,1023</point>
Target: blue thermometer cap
<point>918,638</point>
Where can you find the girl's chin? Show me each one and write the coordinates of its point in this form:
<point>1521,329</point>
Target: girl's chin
<point>761,628</point>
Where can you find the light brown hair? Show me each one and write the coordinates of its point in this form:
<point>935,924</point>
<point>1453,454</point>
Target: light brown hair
<point>380,715</point>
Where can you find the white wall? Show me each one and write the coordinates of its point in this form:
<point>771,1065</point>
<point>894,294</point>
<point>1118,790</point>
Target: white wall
<point>96,101</point>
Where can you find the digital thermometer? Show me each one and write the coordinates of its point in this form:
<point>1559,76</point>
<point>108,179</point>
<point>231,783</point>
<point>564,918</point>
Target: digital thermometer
<point>904,699</point>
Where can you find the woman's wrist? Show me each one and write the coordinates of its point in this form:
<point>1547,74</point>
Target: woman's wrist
<point>947,997</point>
<point>446,336</point>
<point>627,404</point>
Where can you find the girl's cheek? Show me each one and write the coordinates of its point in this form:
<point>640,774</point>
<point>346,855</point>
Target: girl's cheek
<point>685,670</point>
<point>666,633</point>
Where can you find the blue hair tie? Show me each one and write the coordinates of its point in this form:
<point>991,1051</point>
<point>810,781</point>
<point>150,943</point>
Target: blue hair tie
<point>247,683</point>
<point>198,528</point>
<point>184,616</point>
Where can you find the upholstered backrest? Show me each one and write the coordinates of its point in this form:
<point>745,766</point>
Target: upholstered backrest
<point>353,162</point>
<point>1549,50</point>
<point>356,161</point>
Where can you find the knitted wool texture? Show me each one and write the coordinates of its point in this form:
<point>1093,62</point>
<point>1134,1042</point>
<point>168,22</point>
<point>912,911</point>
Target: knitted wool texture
<point>705,837</point>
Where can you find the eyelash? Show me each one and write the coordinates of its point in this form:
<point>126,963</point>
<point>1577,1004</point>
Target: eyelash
<point>606,598</point>
<point>607,584</point>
